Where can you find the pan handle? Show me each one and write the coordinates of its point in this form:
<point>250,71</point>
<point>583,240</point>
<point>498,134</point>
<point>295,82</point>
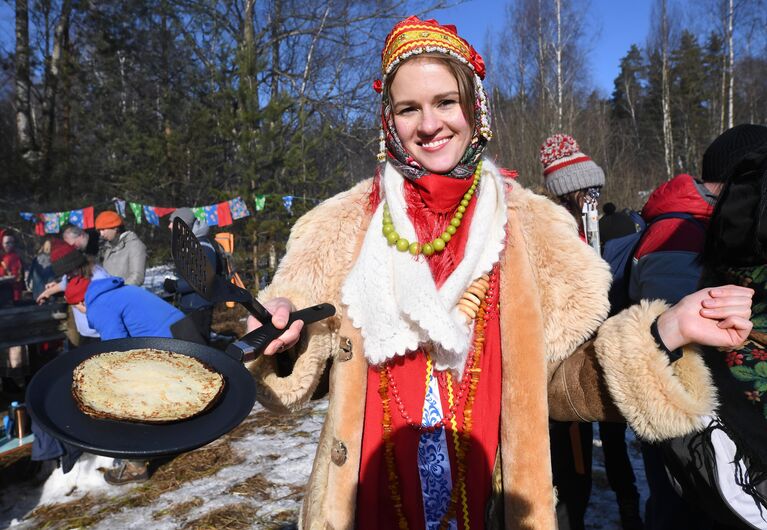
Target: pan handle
<point>250,346</point>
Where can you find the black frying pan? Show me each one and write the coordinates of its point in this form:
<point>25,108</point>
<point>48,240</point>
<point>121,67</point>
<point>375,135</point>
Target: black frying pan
<point>52,407</point>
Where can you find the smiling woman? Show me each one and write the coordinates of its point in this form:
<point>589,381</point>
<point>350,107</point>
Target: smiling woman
<point>466,302</point>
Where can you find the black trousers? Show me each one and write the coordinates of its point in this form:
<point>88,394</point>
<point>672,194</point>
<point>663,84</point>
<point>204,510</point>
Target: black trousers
<point>571,446</point>
<point>202,319</point>
<point>620,473</point>
<point>571,468</point>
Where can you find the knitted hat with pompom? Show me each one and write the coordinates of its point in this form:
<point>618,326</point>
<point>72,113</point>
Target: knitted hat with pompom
<point>566,168</point>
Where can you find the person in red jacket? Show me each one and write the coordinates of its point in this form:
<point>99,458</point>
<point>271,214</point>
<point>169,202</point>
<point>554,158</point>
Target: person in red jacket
<point>666,261</point>
<point>10,265</point>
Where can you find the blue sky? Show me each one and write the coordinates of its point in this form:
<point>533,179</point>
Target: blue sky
<point>612,26</point>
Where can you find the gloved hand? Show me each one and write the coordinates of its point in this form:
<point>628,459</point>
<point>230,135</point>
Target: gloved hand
<point>170,285</point>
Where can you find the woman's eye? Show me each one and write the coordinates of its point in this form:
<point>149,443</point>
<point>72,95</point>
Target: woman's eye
<point>405,110</point>
<point>447,102</point>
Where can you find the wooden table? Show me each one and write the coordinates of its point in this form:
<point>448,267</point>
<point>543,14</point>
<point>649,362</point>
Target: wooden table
<point>10,445</point>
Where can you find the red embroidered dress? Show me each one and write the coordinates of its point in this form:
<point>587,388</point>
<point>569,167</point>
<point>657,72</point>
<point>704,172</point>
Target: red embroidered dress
<point>431,202</point>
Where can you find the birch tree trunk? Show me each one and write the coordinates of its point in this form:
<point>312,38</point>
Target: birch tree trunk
<point>558,55</point>
<point>730,65</point>
<point>723,94</point>
<point>668,135</point>
<point>25,138</point>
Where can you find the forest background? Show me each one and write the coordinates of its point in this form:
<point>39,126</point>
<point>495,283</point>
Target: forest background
<point>192,102</point>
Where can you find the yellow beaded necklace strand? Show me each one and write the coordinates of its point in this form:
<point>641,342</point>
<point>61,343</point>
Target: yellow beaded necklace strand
<point>438,244</point>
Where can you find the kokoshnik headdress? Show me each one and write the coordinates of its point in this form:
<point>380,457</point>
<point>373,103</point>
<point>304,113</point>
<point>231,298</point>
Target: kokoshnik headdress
<point>414,36</point>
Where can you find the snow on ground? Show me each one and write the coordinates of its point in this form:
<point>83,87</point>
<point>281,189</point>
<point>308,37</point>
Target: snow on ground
<point>155,276</point>
<point>277,456</point>
<point>282,456</point>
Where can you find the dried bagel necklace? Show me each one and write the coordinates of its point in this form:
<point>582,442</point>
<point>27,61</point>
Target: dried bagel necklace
<point>461,437</point>
<point>437,244</point>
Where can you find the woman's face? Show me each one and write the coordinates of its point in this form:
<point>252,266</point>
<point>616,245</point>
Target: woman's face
<point>428,116</point>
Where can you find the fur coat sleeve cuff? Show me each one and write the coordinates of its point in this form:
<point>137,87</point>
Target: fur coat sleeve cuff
<point>285,393</point>
<point>659,400</point>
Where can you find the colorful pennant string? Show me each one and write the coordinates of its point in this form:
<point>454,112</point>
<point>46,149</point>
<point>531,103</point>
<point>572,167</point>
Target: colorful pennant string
<point>220,214</point>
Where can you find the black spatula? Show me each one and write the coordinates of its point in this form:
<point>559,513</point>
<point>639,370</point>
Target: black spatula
<point>193,265</point>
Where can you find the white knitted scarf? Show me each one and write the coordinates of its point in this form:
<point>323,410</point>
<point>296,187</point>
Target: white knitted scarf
<point>391,295</point>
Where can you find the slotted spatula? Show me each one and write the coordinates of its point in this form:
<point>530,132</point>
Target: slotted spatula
<point>193,265</point>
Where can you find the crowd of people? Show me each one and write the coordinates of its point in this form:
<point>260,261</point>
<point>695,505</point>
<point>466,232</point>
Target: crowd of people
<point>475,342</point>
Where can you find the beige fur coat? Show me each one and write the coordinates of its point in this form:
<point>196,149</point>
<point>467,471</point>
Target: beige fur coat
<point>553,299</point>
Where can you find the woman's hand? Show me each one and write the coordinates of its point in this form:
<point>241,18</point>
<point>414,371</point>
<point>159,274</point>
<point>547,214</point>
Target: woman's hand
<point>50,289</point>
<point>715,316</point>
<point>280,309</point>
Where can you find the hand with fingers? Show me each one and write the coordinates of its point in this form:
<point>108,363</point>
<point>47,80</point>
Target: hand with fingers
<point>51,289</point>
<point>280,309</point>
<point>714,316</point>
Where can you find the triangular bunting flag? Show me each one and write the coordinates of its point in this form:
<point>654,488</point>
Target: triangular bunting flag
<point>76,218</point>
<point>64,218</point>
<point>88,219</point>
<point>238,208</point>
<point>287,201</point>
<point>151,215</point>
<point>211,214</point>
<point>51,221</point>
<point>199,213</point>
<point>162,212</point>
<point>224,214</point>
<point>137,209</point>
<point>120,207</point>
<point>260,202</point>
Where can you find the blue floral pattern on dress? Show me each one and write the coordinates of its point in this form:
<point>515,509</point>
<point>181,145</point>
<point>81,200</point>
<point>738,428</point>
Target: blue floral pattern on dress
<point>434,462</point>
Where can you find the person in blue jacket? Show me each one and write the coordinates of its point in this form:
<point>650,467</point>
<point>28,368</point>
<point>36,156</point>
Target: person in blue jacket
<point>118,311</point>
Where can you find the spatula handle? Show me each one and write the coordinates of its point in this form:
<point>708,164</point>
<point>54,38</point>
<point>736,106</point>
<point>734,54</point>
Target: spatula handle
<point>250,346</point>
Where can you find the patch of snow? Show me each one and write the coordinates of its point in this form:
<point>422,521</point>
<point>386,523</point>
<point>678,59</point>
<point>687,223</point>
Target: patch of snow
<point>84,478</point>
<point>155,276</point>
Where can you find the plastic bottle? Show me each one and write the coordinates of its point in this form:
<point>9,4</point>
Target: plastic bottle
<point>9,423</point>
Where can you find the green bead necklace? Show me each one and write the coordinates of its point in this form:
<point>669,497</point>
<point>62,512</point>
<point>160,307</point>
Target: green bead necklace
<point>438,244</point>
